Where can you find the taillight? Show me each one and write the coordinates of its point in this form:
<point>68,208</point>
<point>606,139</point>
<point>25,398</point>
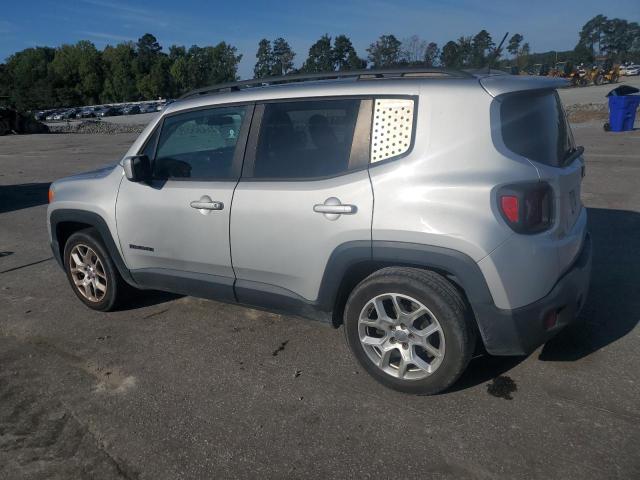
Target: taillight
<point>510,207</point>
<point>527,208</point>
<point>51,194</point>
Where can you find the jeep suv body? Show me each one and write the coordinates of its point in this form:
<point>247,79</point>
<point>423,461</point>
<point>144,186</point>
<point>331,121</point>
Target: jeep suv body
<point>419,209</point>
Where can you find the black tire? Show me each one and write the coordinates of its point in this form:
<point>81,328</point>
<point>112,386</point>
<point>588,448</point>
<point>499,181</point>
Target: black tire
<point>445,302</point>
<point>116,288</point>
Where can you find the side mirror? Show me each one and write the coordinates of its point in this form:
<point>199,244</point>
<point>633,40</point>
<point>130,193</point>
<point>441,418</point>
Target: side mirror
<point>137,168</point>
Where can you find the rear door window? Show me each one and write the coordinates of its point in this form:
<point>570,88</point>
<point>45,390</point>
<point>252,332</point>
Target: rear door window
<point>305,139</point>
<point>534,126</point>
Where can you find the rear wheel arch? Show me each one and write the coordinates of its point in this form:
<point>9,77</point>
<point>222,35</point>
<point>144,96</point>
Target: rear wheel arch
<point>351,263</point>
<point>359,272</point>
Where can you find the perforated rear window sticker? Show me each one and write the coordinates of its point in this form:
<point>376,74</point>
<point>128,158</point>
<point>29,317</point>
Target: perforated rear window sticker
<point>392,128</point>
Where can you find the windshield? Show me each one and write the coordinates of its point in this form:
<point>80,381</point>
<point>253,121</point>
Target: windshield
<point>534,126</point>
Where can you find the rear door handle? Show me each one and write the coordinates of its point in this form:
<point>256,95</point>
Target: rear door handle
<point>200,205</point>
<point>339,209</point>
<point>332,208</point>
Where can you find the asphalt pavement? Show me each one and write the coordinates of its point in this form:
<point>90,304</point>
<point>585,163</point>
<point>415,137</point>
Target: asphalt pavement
<point>178,387</point>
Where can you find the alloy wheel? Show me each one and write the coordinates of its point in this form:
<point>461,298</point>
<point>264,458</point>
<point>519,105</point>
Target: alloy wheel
<point>401,336</point>
<point>87,273</point>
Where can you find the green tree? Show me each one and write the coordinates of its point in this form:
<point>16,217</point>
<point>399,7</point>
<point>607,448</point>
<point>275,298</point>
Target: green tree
<point>178,69</point>
<point>120,81</point>
<point>514,44</point>
<point>582,54</point>
<point>224,63</point>
<point>77,72</point>
<point>212,65</point>
<point>481,46</point>
<point>615,37</point>
<point>148,54</point>
<point>385,52</point>
<point>523,56</point>
<point>158,82</point>
<point>451,56</point>
<point>32,83</point>
<point>5,83</point>
<point>321,57</point>
<point>592,33</point>
<point>90,70</point>
<point>465,51</point>
<point>147,51</point>
<point>345,56</point>
<point>431,55</point>
<point>413,50</point>
<point>264,64</point>
<point>619,38</point>
<point>283,57</point>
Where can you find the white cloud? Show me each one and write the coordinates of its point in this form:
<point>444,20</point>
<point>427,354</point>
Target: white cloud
<point>125,12</point>
<point>105,36</point>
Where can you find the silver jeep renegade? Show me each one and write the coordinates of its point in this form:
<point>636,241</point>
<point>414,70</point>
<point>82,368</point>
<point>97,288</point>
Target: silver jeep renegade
<point>431,213</point>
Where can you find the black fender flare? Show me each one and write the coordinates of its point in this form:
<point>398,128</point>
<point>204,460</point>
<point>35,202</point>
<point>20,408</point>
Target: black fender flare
<point>96,221</point>
<point>370,256</point>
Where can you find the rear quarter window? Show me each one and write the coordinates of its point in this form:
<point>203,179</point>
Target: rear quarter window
<point>534,125</point>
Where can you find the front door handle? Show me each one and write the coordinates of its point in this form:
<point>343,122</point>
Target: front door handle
<point>205,204</point>
<point>332,208</point>
<point>339,209</point>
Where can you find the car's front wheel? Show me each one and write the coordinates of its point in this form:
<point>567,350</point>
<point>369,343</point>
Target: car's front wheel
<point>91,272</point>
<point>409,329</point>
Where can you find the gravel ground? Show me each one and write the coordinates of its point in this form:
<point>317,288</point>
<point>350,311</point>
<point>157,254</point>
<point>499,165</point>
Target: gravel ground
<point>95,127</point>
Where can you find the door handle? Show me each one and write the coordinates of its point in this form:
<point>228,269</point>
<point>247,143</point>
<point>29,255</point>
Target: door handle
<point>200,205</point>
<point>332,208</point>
<point>339,209</point>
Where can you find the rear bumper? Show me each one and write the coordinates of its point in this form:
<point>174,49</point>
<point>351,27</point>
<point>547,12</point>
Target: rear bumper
<point>522,330</point>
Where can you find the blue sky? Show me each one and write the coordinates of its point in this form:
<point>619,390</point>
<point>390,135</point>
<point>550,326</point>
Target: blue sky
<point>546,25</point>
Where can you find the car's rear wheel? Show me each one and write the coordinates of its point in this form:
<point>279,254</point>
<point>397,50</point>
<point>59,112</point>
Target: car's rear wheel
<point>91,272</point>
<point>409,329</point>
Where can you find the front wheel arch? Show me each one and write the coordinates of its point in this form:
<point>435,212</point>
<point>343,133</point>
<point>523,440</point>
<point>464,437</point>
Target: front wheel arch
<point>65,222</point>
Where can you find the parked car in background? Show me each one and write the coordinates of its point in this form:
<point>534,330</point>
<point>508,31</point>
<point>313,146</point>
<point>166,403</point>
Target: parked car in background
<point>131,110</point>
<point>86,112</point>
<point>108,112</point>
<point>69,114</point>
<point>147,108</point>
<point>631,70</point>
<point>477,237</point>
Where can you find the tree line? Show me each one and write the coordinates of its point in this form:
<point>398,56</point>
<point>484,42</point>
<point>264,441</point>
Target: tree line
<point>80,74</point>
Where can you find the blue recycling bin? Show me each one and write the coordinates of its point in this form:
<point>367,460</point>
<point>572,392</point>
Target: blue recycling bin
<point>622,112</point>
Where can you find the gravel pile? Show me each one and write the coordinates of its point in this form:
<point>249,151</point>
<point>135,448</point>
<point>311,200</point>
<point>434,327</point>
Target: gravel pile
<point>95,127</point>
<point>584,112</point>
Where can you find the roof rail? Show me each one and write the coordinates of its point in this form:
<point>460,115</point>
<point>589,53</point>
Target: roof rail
<point>355,74</point>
